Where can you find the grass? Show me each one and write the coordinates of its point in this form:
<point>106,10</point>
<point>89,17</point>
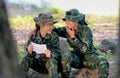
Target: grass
<point>27,21</point>
<point>108,56</point>
<point>21,53</point>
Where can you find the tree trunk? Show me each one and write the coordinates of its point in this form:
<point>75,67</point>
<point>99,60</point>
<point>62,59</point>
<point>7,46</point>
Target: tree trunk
<point>8,54</point>
<point>118,48</point>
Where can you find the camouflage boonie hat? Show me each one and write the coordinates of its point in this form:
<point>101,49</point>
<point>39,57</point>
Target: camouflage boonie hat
<point>44,19</point>
<point>74,15</point>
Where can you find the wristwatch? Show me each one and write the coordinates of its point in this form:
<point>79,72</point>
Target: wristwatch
<point>74,38</point>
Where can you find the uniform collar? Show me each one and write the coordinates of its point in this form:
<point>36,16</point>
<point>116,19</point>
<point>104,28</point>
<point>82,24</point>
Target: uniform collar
<point>79,29</point>
<point>38,35</point>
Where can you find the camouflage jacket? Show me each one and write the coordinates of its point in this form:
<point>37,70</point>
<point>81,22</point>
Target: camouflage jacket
<point>51,40</point>
<point>84,42</point>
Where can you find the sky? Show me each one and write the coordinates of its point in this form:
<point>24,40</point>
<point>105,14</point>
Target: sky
<point>106,7</point>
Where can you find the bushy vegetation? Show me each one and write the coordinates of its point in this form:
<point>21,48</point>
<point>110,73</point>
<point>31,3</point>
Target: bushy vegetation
<point>27,20</point>
<point>108,56</point>
<point>21,21</point>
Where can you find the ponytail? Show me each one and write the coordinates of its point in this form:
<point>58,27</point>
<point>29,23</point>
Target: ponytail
<point>82,22</point>
<point>37,27</point>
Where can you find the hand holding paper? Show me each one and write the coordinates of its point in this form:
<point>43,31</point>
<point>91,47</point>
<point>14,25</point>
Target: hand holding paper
<point>30,48</point>
<point>39,48</point>
<point>48,53</point>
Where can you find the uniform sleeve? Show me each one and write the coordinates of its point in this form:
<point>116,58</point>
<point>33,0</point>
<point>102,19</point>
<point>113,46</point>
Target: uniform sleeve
<point>83,44</point>
<point>60,31</point>
<point>26,46</point>
<point>55,51</point>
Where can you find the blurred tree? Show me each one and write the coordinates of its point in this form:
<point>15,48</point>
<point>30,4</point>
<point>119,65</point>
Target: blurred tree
<point>58,12</point>
<point>118,49</point>
<point>8,54</point>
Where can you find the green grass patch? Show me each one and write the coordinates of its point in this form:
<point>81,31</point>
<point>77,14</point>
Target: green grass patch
<point>20,53</point>
<point>108,56</point>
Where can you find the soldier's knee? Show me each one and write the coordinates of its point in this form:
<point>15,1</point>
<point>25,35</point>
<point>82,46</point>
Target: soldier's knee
<point>54,61</point>
<point>103,63</point>
<point>66,58</point>
<point>51,62</point>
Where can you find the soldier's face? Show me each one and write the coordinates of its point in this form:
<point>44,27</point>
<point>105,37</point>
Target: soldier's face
<point>70,24</point>
<point>49,28</point>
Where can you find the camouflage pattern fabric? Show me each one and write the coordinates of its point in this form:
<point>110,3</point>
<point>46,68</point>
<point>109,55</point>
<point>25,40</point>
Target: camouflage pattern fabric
<point>74,15</point>
<point>44,19</point>
<point>83,52</point>
<point>41,63</point>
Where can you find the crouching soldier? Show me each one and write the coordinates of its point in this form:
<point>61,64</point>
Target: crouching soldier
<point>47,62</point>
<point>83,53</point>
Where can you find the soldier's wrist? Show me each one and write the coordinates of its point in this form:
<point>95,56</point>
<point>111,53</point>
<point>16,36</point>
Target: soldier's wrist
<point>32,55</point>
<point>74,38</point>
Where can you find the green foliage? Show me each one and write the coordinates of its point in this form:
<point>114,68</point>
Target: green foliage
<point>20,53</point>
<point>96,44</point>
<point>108,56</point>
<point>19,21</point>
<point>58,12</point>
<point>58,15</point>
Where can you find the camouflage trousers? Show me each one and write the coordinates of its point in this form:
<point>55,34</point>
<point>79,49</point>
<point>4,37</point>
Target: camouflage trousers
<point>90,61</point>
<point>40,65</point>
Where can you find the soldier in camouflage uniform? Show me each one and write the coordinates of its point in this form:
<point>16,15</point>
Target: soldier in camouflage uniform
<point>83,52</point>
<point>47,62</point>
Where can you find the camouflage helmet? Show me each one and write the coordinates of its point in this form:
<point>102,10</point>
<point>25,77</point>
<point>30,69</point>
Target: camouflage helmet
<point>74,15</point>
<point>44,19</point>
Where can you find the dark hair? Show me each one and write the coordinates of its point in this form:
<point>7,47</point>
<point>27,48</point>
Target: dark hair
<point>37,27</point>
<point>82,22</point>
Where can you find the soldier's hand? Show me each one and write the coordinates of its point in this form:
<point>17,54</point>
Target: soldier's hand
<point>71,32</point>
<point>48,53</point>
<point>30,49</point>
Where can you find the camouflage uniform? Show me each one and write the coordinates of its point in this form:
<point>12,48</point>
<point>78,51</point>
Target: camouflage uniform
<point>41,63</point>
<point>83,53</point>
